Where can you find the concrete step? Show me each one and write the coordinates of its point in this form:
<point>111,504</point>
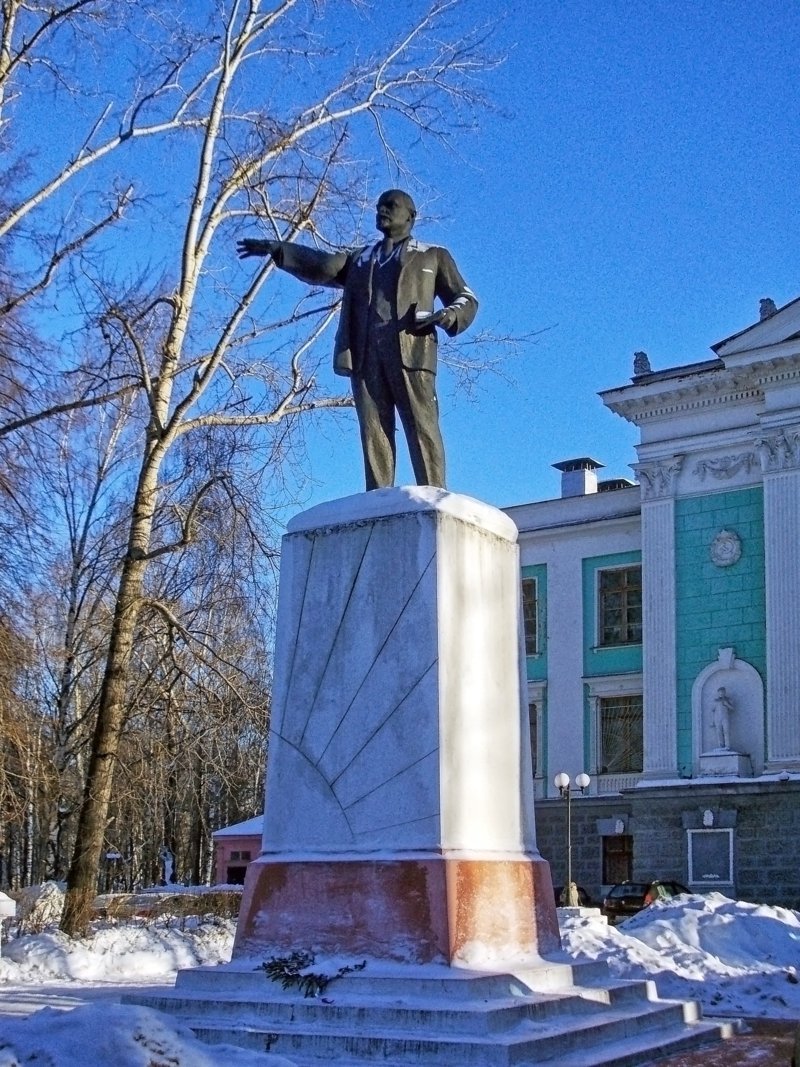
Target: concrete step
<point>639,1050</point>
<point>406,980</point>
<point>442,1016</point>
<point>528,1043</point>
<point>342,1010</point>
<point>626,1052</point>
<point>345,1013</point>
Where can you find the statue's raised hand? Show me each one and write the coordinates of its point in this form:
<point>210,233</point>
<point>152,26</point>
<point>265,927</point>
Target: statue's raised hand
<point>251,246</point>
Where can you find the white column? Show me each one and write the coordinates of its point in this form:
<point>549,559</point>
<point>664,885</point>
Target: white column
<point>782,567</point>
<point>658,623</point>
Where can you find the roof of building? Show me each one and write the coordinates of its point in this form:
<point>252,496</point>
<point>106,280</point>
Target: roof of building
<point>753,326</point>
<point>247,828</point>
<point>562,512</point>
<point>677,372</point>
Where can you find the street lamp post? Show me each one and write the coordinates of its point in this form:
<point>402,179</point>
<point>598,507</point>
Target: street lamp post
<point>562,783</point>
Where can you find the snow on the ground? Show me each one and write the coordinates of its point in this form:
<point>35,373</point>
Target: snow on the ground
<point>735,958</point>
<point>117,953</point>
<point>104,1033</point>
<point>114,1035</point>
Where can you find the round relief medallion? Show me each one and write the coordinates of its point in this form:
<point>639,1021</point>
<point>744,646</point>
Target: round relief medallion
<point>726,548</point>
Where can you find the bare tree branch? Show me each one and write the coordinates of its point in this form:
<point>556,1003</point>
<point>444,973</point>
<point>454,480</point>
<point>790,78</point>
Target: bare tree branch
<point>61,409</point>
<point>64,253</point>
<point>187,522</point>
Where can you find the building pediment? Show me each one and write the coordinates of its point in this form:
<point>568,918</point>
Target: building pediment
<point>781,329</point>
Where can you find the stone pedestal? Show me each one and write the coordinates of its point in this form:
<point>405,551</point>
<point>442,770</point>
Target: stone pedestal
<point>725,761</point>
<point>399,807</point>
<point>399,819</point>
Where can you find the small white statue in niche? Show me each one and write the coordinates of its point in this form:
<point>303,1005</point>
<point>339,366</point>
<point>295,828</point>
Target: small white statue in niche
<point>721,710</point>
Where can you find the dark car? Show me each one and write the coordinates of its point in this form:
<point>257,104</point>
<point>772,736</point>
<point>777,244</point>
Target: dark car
<point>584,900</point>
<point>628,898</point>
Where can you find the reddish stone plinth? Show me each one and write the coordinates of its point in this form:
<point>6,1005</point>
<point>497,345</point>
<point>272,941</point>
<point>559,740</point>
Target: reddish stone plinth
<point>477,913</point>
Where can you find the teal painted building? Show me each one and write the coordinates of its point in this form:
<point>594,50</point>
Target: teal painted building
<point>666,660</point>
<point>716,606</point>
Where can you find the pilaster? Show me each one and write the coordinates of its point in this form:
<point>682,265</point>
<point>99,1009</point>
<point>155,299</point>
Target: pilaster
<point>780,458</point>
<point>658,622</point>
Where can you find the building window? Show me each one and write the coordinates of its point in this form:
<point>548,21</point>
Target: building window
<point>533,716</point>
<point>530,615</point>
<point>621,735</point>
<point>620,606</point>
<point>241,855</point>
<point>617,858</point>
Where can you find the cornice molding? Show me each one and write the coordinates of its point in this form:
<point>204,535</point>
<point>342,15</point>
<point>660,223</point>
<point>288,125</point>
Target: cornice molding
<point>646,408</point>
<point>777,372</point>
<point>647,402</point>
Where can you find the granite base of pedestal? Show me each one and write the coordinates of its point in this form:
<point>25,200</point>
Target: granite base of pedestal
<point>472,912</point>
<point>724,761</point>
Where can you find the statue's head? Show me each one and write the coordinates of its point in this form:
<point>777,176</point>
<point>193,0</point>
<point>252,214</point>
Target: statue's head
<point>395,214</point>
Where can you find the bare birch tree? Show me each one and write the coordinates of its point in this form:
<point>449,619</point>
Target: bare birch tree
<point>55,59</point>
<point>240,109</point>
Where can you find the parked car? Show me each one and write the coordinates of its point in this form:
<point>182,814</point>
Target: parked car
<point>628,898</point>
<point>583,897</point>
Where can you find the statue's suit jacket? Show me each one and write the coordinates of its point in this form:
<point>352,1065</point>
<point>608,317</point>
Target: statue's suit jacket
<point>426,272</point>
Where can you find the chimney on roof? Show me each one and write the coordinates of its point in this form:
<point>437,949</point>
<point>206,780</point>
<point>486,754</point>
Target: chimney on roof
<point>766,308</point>
<point>578,476</point>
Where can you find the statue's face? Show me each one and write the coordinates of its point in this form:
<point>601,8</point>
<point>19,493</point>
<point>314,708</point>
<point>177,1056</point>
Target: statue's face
<point>393,215</point>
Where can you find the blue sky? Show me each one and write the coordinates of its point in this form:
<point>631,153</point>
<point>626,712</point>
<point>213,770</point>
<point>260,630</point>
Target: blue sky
<point>641,191</point>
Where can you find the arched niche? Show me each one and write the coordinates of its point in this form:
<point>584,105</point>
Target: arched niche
<point>744,690</point>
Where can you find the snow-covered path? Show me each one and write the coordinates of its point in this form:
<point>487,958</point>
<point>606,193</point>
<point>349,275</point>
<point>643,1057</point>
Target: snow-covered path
<point>22,1000</point>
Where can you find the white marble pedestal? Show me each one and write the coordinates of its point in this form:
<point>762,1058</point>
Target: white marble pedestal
<point>399,808</point>
<point>726,762</point>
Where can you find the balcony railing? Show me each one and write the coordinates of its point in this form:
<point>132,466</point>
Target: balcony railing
<point>615,783</point>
